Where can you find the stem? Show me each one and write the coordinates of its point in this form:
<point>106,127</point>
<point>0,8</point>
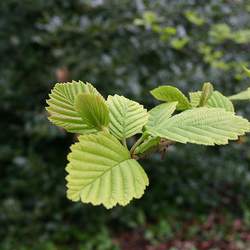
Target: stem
<point>161,148</point>
<point>124,142</point>
<point>137,143</point>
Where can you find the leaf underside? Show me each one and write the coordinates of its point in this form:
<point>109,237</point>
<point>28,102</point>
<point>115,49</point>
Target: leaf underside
<point>101,171</point>
<point>126,117</point>
<point>244,95</point>
<point>216,100</point>
<point>61,106</point>
<point>207,126</point>
<point>171,94</point>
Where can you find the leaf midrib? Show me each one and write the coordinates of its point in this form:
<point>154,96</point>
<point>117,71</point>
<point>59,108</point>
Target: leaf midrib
<point>109,169</point>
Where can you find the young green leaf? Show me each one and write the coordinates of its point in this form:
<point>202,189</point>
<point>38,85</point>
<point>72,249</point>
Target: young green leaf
<point>216,100</point>
<point>150,143</point>
<point>159,114</point>
<point>61,106</point>
<point>195,98</point>
<point>93,110</point>
<point>247,71</point>
<point>207,91</point>
<point>244,95</point>
<point>126,117</point>
<point>171,94</point>
<point>207,126</point>
<point>101,171</point>
<point>90,89</point>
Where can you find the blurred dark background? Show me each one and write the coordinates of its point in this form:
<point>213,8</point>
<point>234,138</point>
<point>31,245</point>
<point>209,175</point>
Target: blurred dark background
<point>197,195</point>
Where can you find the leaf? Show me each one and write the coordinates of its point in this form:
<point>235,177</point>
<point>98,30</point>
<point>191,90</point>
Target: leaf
<point>61,106</point>
<point>93,110</point>
<point>179,43</point>
<point>195,98</point>
<point>247,71</point>
<point>171,94</point>
<point>216,100</point>
<point>101,171</point>
<point>244,95</point>
<point>207,91</point>
<point>150,143</point>
<point>157,115</point>
<point>194,17</point>
<point>126,117</point>
<point>90,89</point>
<point>160,113</point>
<point>207,126</point>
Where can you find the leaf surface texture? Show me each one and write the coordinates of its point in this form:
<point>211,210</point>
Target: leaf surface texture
<point>171,94</point>
<point>93,110</point>
<point>101,171</point>
<point>207,126</point>
<point>244,95</point>
<point>61,106</point>
<point>126,117</point>
<point>217,100</point>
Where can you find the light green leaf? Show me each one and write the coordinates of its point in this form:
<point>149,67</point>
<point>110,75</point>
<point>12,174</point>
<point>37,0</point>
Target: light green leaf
<point>207,126</point>
<point>157,115</point>
<point>160,113</point>
<point>93,110</point>
<point>126,117</point>
<point>150,143</point>
<point>195,98</point>
<point>90,89</point>
<point>171,94</point>
<point>247,71</point>
<point>207,91</point>
<point>179,43</point>
<point>101,171</point>
<point>194,17</point>
<point>216,100</point>
<point>244,95</point>
<point>61,106</point>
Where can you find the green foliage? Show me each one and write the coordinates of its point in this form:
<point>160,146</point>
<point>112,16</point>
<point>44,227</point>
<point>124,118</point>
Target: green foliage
<point>207,91</point>
<point>103,171</point>
<point>171,94</point>
<point>220,32</point>
<point>202,126</point>
<point>93,110</point>
<point>126,117</point>
<point>151,143</point>
<point>179,43</point>
<point>216,100</point>
<point>247,71</point>
<point>194,17</point>
<point>244,95</point>
<point>42,40</point>
<point>214,36</point>
<point>160,113</point>
<point>62,108</point>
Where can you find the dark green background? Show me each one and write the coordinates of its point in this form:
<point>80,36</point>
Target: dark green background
<point>97,41</point>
